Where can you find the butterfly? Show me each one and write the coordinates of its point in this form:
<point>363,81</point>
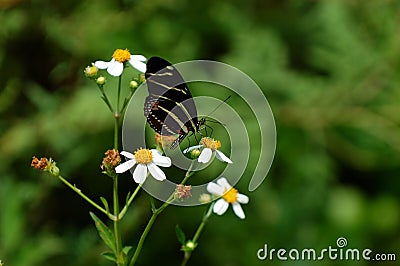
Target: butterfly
<point>169,108</point>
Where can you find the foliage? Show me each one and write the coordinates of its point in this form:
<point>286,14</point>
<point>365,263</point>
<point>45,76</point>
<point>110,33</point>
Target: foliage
<point>329,70</point>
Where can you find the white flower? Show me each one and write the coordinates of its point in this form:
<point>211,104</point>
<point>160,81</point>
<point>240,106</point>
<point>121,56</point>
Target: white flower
<point>119,58</point>
<point>145,159</point>
<point>208,147</point>
<point>229,195</point>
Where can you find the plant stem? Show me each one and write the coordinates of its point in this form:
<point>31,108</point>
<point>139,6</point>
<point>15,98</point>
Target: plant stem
<point>143,237</point>
<point>79,192</point>
<point>105,98</point>
<point>119,92</point>
<point>116,126</point>
<point>196,236</point>
<point>117,233</point>
<point>118,241</point>
<point>153,218</point>
<point>128,203</point>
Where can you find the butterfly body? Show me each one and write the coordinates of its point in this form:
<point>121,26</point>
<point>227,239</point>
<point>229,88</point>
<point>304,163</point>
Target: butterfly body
<point>169,108</point>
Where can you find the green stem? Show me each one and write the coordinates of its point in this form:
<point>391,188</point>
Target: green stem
<point>143,237</point>
<point>153,218</point>
<point>196,236</point>
<point>119,91</point>
<point>105,98</point>
<point>118,241</point>
<point>79,192</point>
<point>117,233</point>
<point>116,126</point>
<point>203,223</point>
<point>128,203</point>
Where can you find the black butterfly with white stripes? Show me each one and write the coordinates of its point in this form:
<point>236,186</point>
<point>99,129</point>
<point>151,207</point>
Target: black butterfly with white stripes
<point>169,108</point>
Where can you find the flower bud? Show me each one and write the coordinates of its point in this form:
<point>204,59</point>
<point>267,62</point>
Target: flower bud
<point>189,246</point>
<point>194,154</point>
<point>205,198</point>
<point>91,71</point>
<point>133,85</point>
<point>101,80</point>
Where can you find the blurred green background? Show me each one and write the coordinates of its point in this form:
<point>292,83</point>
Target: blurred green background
<point>330,70</point>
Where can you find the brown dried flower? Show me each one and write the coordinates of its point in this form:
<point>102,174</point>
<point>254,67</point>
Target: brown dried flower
<point>111,160</point>
<point>183,191</point>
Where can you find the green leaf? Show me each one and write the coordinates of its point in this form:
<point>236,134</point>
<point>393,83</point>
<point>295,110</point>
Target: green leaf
<point>104,232</point>
<point>109,256</point>
<point>126,250</point>
<point>105,203</point>
<point>180,235</point>
<point>127,197</point>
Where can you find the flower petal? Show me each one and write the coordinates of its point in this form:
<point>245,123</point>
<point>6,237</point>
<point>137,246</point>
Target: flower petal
<point>205,155</point>
<point>242,198</point>
<point>160,160</point>
<point>156,152</point>
<point>115,68</point>
<point>224,183</point>
<point>125,166</point>
<point>138,57</point>
<point>215,189</point>
<point>128,155</point>
<point>156,172</point>
<point>101,64</point>
<point>192,148</point>
<point>138,65</point>
<point>140,173</point>
<point>238,210</point>
<point>220,206</point>
<point>222,157</point>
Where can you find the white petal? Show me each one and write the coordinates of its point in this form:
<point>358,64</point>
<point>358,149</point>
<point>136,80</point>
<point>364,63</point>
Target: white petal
<point>242,199</point>
<point>205,155</point>
<point>220,206</point>
<point>155,152</point>
<point>127,154</point>
<point>160,160</point>
<point>140,173</point>
<point>238,210</point>
<point>222,157</point>
<point>215,189</point>
<point>156,172</point>
<point>224,183</point>
<point>115,68</point>
<point>101,64</point>
<point>138,57</point>
<point>138,65</point>
<point>125,166</point>
<point>192,148</point>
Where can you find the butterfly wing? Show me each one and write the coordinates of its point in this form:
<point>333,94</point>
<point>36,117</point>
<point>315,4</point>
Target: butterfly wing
<point>169,108</point>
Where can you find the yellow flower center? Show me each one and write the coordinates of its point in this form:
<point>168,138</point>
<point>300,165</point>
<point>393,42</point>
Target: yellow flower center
<point>231,195</point>
<point>210,143</point>
<point>122,56</point>
<point>143,156</point>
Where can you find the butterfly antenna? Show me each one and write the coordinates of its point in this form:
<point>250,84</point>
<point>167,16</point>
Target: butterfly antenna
<point>219,105</point>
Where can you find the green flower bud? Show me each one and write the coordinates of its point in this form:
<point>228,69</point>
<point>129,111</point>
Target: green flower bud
<point>133,85</point>
<point>91,71</point>
<point>189,246</point>
<point>194,154</point>
<point>101,80</point>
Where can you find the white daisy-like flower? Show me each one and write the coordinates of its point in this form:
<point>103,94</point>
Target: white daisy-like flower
<point>119,58</point>
<point>145,159</point>
<point>229,195</point>
<point>208,146</point>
